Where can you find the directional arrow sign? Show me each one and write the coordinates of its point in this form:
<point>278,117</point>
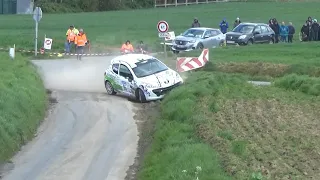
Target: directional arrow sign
<point>37,14</point>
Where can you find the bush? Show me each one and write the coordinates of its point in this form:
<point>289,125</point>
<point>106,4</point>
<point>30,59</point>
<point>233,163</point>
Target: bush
<point>22,104</point>
<point>305,84</point>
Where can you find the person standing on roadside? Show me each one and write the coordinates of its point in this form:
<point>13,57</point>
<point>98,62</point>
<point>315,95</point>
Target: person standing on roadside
<point>292,31</point>
<point>224,26</point>
<point>236,22</point>
<point>81,42</point>
<point>284,31</point>
<point>276,29</point>
<point>309,24</point>
<point>305,32</point>
<point>71,35</point>
<point>195,23</point>
<point>315,30</point>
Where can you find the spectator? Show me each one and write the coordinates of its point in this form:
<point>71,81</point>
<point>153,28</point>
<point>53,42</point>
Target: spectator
<point>126,48</point>
<point>224,26</point>
<point>305,32</point>
<point>195,23</point>
<point>292,31</point>
<point>309,19</point>
<point>309,24</point>
<point>315,30</point>
<point>236,22</point>
<point>284,31</point>
<point>142,47</point>
<point>276,29</point>
<point>270,23</point>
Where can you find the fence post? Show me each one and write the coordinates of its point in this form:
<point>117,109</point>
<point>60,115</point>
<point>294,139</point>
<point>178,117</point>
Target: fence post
<point>176,1</point>
<point>165,3</point>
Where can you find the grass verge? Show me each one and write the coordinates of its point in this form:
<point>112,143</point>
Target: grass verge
<point>265,60</point>
<point>305,84</point>
<point>22,104</point>
<point>250,132</point>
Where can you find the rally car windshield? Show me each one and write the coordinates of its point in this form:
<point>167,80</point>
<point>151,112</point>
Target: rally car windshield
<point>148,67</point>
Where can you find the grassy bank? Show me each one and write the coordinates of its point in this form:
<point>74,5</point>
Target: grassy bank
<point>234,130</point>
<point>114,27</point>
<point>22,104</point>
<point>262,60</point>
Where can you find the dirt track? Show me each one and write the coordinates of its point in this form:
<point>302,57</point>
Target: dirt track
<point>88,135</point>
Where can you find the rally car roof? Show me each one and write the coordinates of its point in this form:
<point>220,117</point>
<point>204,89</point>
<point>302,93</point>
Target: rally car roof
<point>131,59</point>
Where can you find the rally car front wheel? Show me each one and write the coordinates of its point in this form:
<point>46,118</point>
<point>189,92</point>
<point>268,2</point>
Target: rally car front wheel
<point>140,96</point>
<point>109,88</point>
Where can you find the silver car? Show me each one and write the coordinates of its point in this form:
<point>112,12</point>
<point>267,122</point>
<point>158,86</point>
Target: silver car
<point>198,38</point>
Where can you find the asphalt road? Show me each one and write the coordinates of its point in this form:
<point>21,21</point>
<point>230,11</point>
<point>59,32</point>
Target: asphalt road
<point>87,135</point>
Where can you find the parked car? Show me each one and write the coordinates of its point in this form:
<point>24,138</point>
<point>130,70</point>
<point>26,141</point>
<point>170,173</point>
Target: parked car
<point>140,76</point>
<point>250,33</point>
<point>198,38</point>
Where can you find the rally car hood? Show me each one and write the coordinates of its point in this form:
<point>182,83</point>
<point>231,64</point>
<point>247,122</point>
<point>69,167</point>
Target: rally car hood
<point>160,80</point>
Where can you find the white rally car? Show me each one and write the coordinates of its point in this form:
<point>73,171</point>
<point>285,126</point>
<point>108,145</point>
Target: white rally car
<point>141,76</point>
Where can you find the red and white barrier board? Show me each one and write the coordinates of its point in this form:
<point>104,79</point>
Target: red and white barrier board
<point>191,63</point>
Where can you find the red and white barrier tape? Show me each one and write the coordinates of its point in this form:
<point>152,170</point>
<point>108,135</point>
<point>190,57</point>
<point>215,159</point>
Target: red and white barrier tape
<point>190,63</point>
<point>55,53</point>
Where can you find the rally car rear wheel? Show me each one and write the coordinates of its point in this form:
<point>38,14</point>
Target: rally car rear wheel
<point>109,88</point>
<point>140,96</point>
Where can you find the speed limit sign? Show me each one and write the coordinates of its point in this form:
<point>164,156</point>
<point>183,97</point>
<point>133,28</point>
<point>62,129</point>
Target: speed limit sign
<point>163,26</point>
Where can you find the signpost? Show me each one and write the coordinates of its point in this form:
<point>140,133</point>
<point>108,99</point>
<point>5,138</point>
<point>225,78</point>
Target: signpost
<point>163,28</point>
<point>37,15</point>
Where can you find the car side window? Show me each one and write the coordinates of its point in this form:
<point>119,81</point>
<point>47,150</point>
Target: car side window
<point>124,71</point>
<point>115,68</point>
<point>207,34</point>
<point>269,29</point>
<point>257,29</point>
<point>214,32</point>
<point>264,29</point>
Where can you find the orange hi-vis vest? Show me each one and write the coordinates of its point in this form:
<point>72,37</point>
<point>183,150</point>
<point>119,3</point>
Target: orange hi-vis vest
<point>128,47</point>
<point>80,40</point>
<point>71,35</point>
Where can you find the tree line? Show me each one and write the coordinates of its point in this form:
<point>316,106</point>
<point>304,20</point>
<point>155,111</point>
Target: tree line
<point>65,6</point>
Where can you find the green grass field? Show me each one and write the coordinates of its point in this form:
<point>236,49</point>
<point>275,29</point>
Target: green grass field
<point>111,29</point>
<point>268,131</point>
<point>22,104</point>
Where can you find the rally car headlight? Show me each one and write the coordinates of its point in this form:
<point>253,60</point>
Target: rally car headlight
<point>192,41</point>
<point>242,36</point>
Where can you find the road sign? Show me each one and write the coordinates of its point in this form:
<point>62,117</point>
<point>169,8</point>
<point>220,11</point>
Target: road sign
<point>47,43</point>
<point>163,35</point>
<point>163,26</point>
<point>37,14</point>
